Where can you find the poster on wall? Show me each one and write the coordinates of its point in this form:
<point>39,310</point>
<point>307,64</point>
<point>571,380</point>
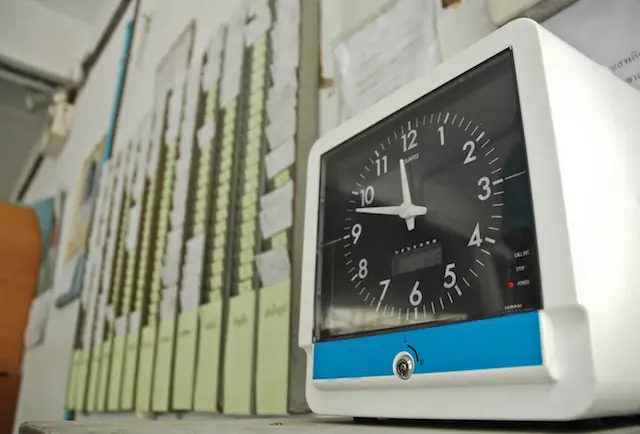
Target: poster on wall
<point>615,22</point>
<point>393,48</point>
<point>86,192</point>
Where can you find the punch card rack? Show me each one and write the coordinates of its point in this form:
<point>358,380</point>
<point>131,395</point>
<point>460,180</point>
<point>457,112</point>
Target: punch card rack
<point>212,157</point>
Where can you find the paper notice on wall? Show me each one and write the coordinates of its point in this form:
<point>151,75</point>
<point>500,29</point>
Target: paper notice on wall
<point>280,158</point>
<point>615,22</point>
<point>38,315</point>
<point>273,266</point>
<point>394,48</point>
<point>276,218</point>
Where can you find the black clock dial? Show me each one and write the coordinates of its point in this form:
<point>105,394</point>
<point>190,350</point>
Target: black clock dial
<point>426,218</point>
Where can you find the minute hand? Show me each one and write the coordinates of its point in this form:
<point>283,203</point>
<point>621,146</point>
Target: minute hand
<point>406,192</point>
<point>382,210</point>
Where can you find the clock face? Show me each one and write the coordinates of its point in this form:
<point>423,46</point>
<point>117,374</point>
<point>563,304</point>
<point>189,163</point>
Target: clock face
<point>426,218</point>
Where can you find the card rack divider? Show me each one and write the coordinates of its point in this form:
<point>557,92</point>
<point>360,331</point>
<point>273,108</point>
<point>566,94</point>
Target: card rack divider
<point>133,259</point>
<point>116,287</point>
<point>146,266</point>
<point>209,167</point>
<point>147,244</point>
<point>168,184</point>
<point>87,320</point>
<point>116,212</point>
<point>104,359</point>
<point>190,201</point>
<point>262,189</point>
<point>307,131</point>
<point>210,197</point>
<point>227,276</point>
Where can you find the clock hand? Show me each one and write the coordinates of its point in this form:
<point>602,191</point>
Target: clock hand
<point>406,193</point>
<point>382,210</point>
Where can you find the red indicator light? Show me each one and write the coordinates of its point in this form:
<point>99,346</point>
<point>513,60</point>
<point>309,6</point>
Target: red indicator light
<point>511,284</point>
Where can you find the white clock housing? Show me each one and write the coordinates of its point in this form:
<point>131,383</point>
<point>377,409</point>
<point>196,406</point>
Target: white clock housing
<point>582,136</point>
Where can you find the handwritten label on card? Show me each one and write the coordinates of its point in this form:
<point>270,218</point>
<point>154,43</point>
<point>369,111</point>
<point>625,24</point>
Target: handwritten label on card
<point>273,266</point>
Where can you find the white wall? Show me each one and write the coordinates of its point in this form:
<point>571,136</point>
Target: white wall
<point>45,368</point>
<point>42,39</point>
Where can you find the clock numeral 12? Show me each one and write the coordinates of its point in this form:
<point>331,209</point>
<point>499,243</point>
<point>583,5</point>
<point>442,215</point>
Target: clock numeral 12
<point>409,139</point>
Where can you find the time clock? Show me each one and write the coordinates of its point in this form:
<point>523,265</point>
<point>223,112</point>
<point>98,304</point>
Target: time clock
<point>468,240</point>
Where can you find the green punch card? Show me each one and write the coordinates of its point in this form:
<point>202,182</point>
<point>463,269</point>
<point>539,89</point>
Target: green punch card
<point>115,378</point>
<point>103,379</point>
<point>272,359</point>
<point>83,370</point>
<point>184,372</point>
<point>129,374</point>
<point>163,365</point>
<point>238,358</point>
<point>92,390</point>
<point>145,368</point>
<point>208,362</point>
<point>70,402</point>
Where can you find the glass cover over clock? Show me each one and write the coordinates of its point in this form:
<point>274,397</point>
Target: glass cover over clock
<point>426,217</point>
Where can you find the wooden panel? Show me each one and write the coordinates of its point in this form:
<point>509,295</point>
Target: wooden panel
<point>20,255</point>
<point>9,389</point>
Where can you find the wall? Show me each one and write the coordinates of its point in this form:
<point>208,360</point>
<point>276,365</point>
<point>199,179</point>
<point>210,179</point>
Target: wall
<point>45,368</point>
<point>41,39</point>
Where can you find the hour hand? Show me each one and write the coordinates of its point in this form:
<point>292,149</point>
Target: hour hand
<point>382,210</point>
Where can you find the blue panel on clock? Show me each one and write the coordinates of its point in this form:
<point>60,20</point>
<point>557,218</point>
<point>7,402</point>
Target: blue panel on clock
<point>503,342</point>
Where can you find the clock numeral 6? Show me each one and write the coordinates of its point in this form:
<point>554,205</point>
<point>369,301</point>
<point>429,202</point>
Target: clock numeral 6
<point>356,231</point>
<point>415,297</point>
<point>363,271</point>
<point>449,276</point>
<point>485,184</point>
<point>367,195</point>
